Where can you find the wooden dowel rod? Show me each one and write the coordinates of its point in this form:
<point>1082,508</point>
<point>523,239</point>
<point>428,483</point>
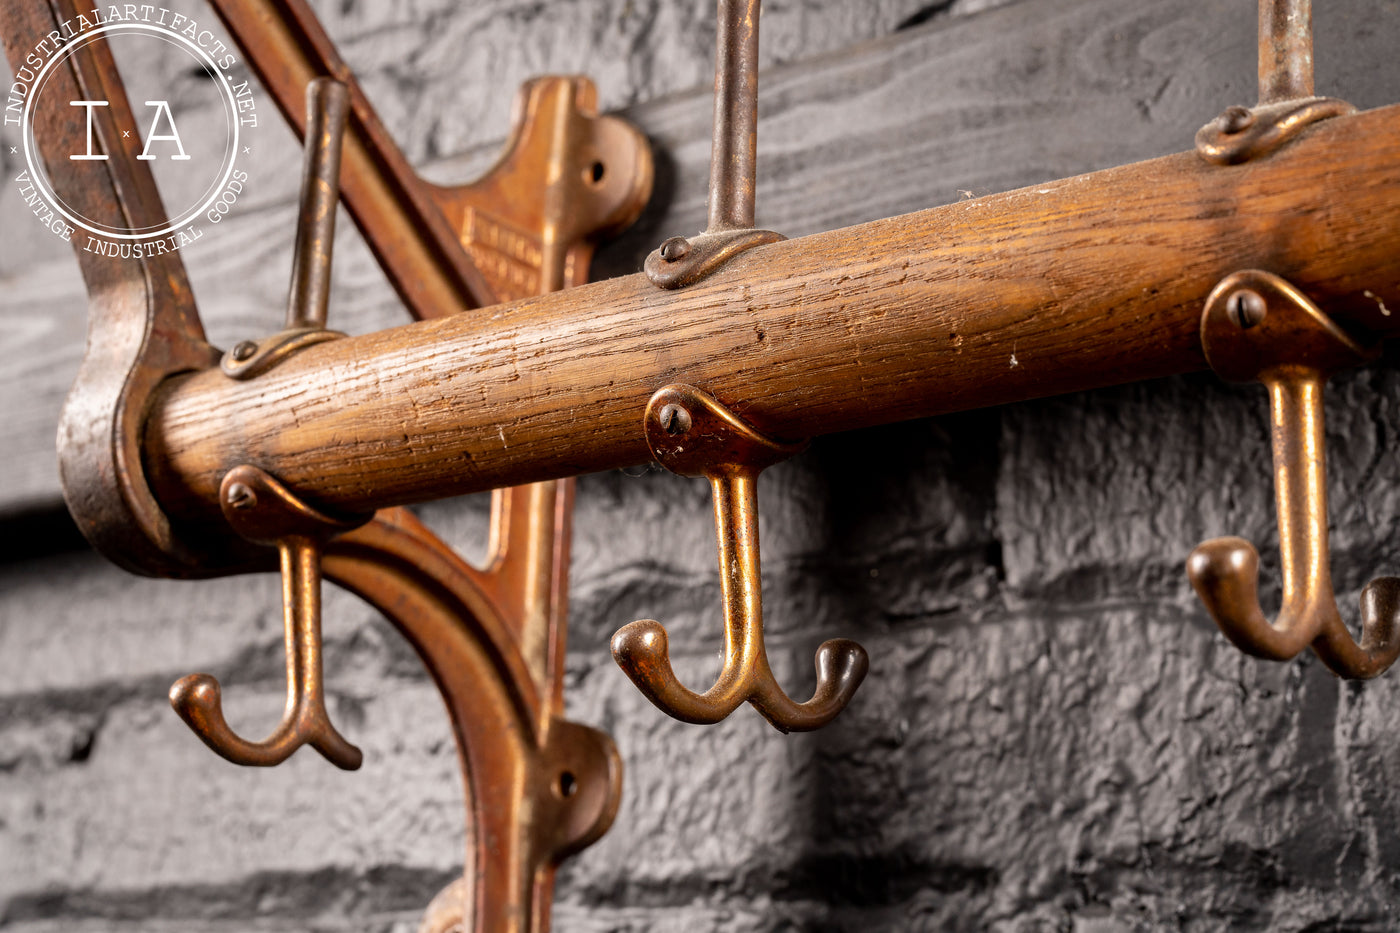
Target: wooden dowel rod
<point>1074,284</point>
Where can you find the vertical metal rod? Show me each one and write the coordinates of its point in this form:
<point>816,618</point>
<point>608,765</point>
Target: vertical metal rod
<point>735,494</point>
<point>327,109</point>
<point>1285,50</point>
<point>734,152</point>
<point>1300,488</point>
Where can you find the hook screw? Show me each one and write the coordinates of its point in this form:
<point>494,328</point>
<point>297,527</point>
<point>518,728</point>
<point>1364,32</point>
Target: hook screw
<point>1235,119</point>
<point>240,496</point>
<point>675,420</point>
<point>244,350</point>
<point>733,159</point>
<point>675,249</point>
<point>1247,308</point>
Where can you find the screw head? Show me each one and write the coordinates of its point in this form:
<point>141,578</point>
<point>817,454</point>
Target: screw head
<point>674,419</point>
<point>1247,308</point>
<point>241,496</point>
<point>244,350</point>
<point>675,249</point>
<point>1235,119</point>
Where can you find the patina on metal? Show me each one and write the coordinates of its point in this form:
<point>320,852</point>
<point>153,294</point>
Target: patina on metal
<point>1258,327</point>
<point>568,176</point>
<point>991,301</point>
<point>142,321</point>
<point>308,298</point>
<point>264,511</point>
<point>538,787</point>
<point>733,158</point>
<point>691,434</point>
<point>1285,50</point>
<point>1287,103</point>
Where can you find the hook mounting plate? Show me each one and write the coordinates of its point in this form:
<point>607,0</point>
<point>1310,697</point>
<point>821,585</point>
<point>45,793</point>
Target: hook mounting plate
<point>690,433</point>
<point>1256,323</point>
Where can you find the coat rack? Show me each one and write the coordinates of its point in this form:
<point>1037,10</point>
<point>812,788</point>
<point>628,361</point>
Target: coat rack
<point>732,348</point>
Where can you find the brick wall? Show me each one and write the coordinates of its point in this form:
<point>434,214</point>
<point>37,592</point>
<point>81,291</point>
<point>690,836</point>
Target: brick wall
<point>1052,736</point>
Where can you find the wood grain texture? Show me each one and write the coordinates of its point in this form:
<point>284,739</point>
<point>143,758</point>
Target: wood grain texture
<point>1040,90</point>
<point>1086,282</point>
<point>1051,739</point>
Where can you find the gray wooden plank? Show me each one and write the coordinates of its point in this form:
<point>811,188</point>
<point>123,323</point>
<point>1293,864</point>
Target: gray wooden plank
<point>952,108</point>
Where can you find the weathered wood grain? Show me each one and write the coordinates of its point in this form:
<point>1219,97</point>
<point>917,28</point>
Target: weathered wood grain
<point>1051,737</point>
<point>1086,282</point>
<point>1009,97</point>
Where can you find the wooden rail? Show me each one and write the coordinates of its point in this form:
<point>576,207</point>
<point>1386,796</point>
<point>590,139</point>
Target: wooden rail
<point>1080,283</point>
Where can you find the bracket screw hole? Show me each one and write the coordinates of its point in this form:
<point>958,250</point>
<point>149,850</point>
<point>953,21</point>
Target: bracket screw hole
<point>594,173</point>
<point>568,785</point>
<point>674,419</point>
<point>1247,309</point>
<point>244,350</point>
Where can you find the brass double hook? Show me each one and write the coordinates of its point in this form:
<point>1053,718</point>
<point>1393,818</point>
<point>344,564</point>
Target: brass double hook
<point>692,434</point>
<point>1256,326</point>
<point>261,509</point>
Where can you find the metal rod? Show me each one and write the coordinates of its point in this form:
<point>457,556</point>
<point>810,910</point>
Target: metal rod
<point>1285,50</point>
<point>287,47</point>
<point>734,148</point>
<point>1075,284</point>
<point>327,109</point>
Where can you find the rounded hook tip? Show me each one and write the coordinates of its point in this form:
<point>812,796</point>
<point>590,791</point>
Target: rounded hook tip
<point>1225,575</point>
<point>1380,603</point>
<point>841,666</point>
<point>337,749</point>
<point>1224,572</point>
<point>1220,562</point>
<point>641,650</point>
<point>195,697</point>
<point>639,646</point>
<point>1380,624</point>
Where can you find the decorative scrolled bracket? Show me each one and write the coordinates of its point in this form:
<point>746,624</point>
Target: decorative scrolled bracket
<point>692,434</point>
<point>1256,326</point>
<point>539,787</point>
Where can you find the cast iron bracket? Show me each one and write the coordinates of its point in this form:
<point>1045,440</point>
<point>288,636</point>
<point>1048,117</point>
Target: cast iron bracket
<point>538,786</point>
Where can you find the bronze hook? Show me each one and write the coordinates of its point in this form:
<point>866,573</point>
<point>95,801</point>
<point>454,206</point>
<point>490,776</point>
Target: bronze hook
<point>1256,326</point>
<point>264,511</point>
<point>692,434</point>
